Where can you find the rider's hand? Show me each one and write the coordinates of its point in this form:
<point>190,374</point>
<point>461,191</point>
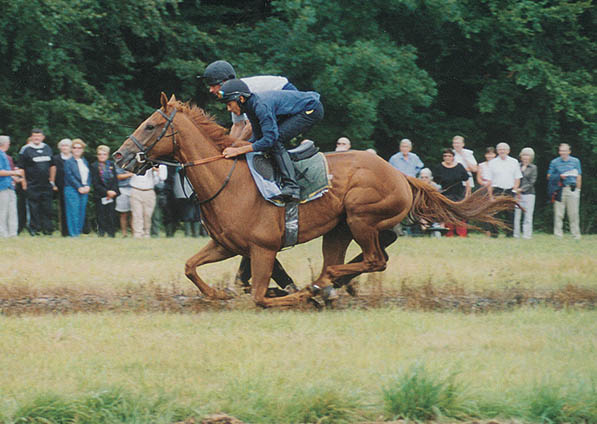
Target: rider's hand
<point>230,152</point>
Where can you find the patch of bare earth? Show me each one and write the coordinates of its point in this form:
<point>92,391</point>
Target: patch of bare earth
<point>15,300</point>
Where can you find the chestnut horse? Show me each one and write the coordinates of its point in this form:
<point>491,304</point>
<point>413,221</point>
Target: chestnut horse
<point>367,196</point>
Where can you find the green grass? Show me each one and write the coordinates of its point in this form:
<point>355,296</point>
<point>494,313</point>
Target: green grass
<point>475,263</point>
<point>530,364</point>
<point>284,366</point>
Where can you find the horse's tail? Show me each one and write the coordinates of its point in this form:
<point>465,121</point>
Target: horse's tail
<point>431,206</point>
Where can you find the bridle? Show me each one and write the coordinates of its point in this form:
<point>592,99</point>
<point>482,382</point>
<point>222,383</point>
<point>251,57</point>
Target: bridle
<point>141,156</point>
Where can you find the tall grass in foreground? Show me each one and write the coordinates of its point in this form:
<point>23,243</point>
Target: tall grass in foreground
<point>416,395</point>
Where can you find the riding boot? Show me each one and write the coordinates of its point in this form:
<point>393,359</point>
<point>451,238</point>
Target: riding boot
<point>290,189</point>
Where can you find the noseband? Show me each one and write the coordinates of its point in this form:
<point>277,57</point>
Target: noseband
<point>141,156</point>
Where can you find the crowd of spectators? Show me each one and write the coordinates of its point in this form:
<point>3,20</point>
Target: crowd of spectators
<point>161,199</point>
<point>500,174</point>
<point>140,205</point>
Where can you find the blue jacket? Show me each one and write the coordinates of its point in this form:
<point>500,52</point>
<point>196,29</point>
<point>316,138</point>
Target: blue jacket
<point>264,109</point>
<point>72,176</point>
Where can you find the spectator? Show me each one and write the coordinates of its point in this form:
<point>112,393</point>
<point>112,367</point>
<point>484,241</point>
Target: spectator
<point>187,210</point>
<point>77,181</point>
<point>483,170</point>
<point>405,161</point>
<point>9,221</point>
<point>21,191</point>
<point>160,211</point>
<point>57,180</point>
<point>123,201</point>
<point>36,160</point>
<point>143,199</point>
<point>505,175</point>
<point>343,144</point>
<point>427,176</point>
<point>105,191</point>
<point>526,194</point>
<point>466,158</point>
<point>436,229</point>
<point>450,175</point>
<point>567,169</point>
<point>370,150</point>
<point>484,180</point>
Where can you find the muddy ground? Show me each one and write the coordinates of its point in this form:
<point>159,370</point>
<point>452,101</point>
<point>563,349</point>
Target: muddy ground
<point>16,300</point>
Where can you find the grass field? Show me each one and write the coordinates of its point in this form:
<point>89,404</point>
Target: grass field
<point>533,364</point>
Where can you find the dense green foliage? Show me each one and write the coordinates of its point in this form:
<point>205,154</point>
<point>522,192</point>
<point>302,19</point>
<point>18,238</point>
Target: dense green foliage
<point>520,71</point>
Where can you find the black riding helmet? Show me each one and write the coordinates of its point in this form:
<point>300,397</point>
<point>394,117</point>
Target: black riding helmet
<point>233,89</point>
<point>217,72</point>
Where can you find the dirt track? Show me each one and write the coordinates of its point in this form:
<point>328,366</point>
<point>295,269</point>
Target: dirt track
<point>18,300</point>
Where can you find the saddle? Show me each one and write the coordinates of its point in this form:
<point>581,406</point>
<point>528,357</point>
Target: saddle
<point>312,176</point>
<point>310,167</point>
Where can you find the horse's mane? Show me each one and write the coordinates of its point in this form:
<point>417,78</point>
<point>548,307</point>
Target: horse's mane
<point>206,123</point>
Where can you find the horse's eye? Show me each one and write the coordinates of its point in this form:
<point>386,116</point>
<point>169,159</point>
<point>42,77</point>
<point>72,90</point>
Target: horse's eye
<point>149,127</point>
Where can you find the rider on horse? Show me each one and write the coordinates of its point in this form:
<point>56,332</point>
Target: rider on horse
<point>276,117</point>
<point>220,71</point>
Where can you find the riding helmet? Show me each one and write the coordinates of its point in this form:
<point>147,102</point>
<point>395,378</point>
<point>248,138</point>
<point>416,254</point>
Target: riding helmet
<point>233,89</point>
<point>217,72</point>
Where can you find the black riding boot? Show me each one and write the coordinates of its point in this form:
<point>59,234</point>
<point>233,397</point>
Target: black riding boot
<point>290,188</point>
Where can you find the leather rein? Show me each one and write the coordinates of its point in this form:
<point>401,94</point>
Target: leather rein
<point>141,156</point>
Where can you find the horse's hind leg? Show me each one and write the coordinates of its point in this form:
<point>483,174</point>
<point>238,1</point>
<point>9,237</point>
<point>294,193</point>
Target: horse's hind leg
<point>386,238</point>
<point>262,262</point>
<point>211,252</point>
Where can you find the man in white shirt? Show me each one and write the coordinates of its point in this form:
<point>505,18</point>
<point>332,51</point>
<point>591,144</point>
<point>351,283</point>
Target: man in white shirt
<point>504,174</point>
<point>466,158</point>
<point>143,199</point>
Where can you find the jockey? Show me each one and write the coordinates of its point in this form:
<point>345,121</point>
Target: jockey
<point>300,110</point>
<point>220,71</point>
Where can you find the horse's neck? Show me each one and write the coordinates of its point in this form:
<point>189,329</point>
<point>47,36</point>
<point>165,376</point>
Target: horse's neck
<point>206,178</point>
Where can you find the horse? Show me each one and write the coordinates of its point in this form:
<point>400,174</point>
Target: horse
<point>367,198</point>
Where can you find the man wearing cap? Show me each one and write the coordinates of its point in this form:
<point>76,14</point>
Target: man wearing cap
<point>220,71</point>
<point>405,161</point>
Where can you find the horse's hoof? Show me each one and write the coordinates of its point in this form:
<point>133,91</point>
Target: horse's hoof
<point>315,289</point>
<point>329,294</point>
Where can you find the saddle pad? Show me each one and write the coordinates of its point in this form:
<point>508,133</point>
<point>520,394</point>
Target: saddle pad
<point>311,174</point>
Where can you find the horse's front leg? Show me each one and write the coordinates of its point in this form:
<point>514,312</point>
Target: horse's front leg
<point>262,263</point>
<point>211,252</point>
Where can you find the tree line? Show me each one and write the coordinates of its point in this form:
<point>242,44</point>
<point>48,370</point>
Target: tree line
<point>519,71</point>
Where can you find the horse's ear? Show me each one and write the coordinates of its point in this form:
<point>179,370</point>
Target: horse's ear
<point>163,100</point>
<point>173,98</point>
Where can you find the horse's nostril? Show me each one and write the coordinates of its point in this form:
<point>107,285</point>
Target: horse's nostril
<point>117,155</point>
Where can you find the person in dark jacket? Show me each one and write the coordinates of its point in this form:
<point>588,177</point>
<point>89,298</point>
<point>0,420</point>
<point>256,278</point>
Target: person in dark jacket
<point>36,160</point>
<point>77,181</point>
<point>105,191</point>
<point>276,117</point>
<point>57,180</point>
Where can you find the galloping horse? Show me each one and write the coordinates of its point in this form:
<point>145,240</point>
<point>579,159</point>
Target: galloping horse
<point>367,197</point>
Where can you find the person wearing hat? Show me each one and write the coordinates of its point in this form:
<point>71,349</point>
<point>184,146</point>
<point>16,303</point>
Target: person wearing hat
<point>220,71</point>
<point>301,110</point>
